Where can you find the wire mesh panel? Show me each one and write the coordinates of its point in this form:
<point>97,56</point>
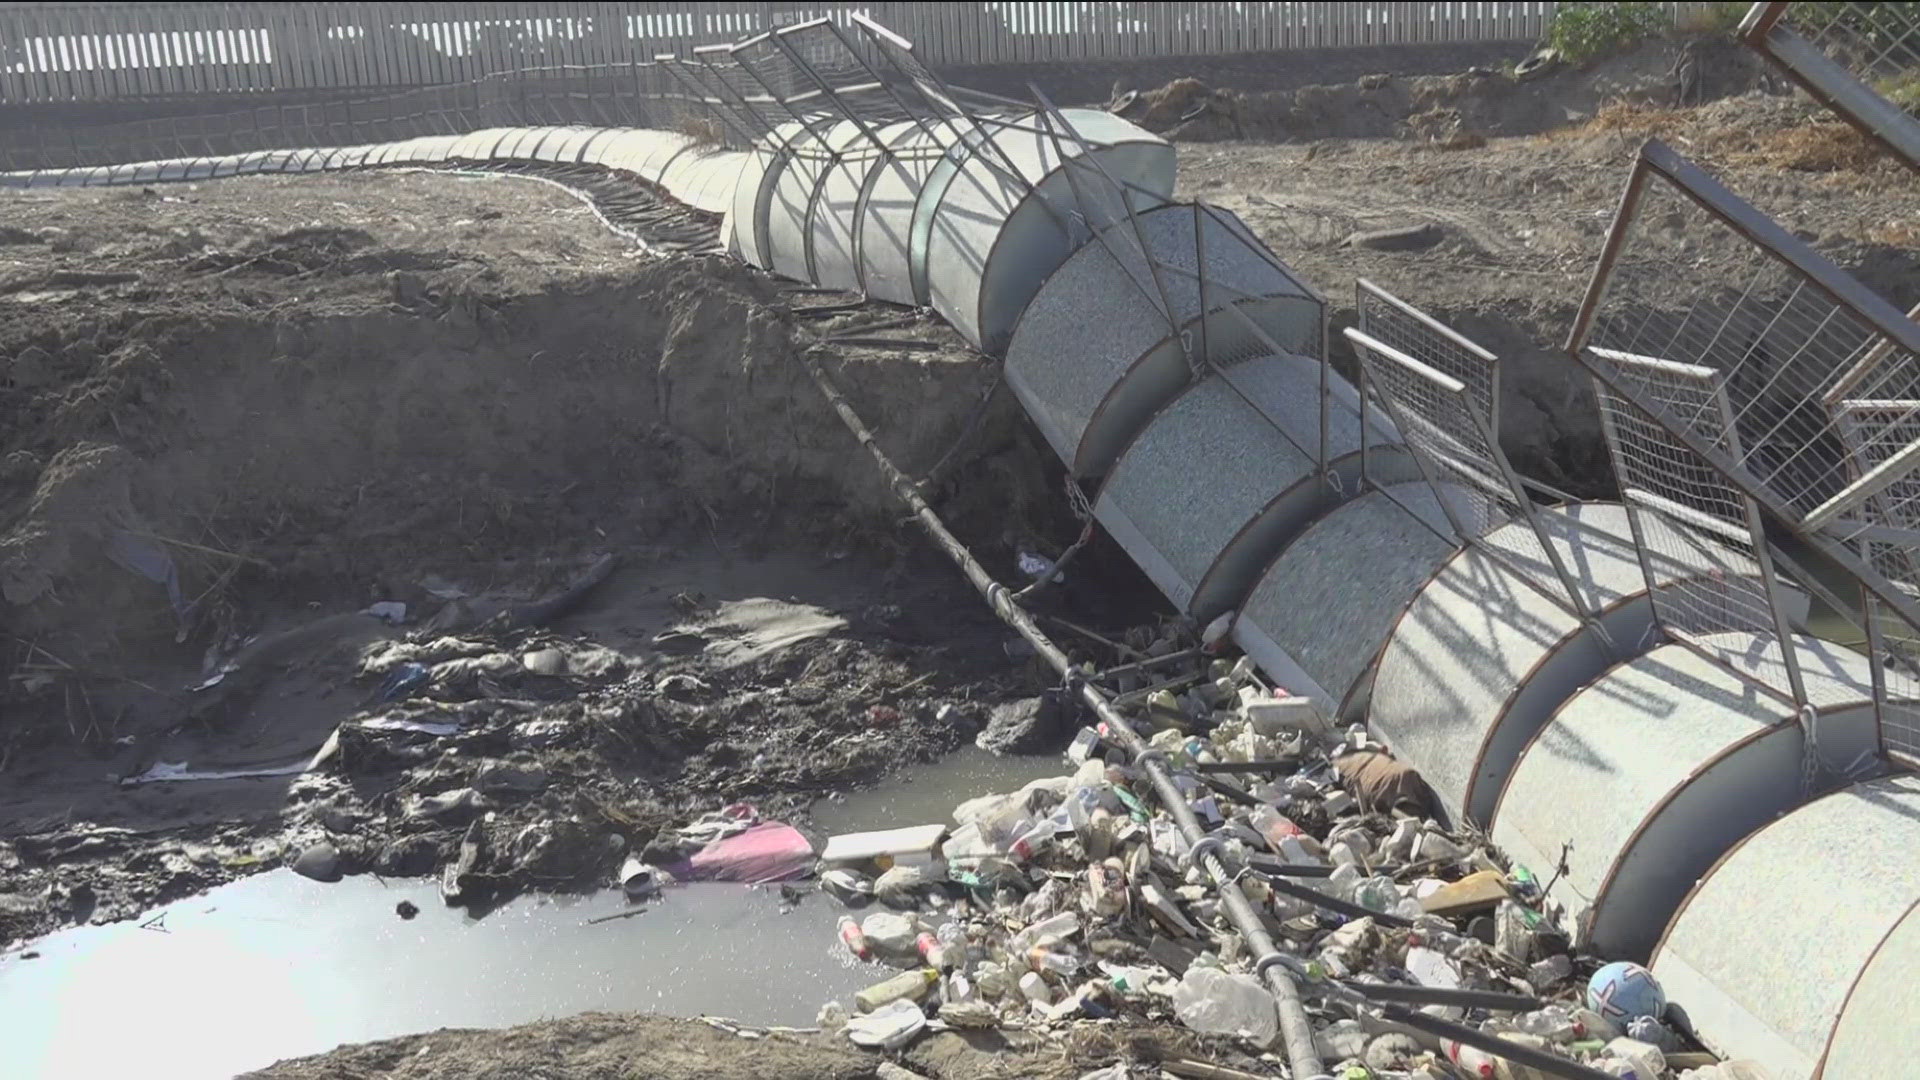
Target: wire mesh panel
<point>1441,391</point>
<point>1699,277</point>
<point>1877,433</point>
<point>1702,518</point>
<point>1862,59</point>
<point>1388,319</point>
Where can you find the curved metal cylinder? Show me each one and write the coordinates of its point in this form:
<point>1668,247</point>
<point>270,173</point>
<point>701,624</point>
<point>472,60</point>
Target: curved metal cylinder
<point>889,200</point>
<point>1326,604</point>
<point>833,216</point>
<point>1482,656</point>
<point>1839,872</point>
<point>810,153</point>
<point>1225,475</point>
<point>1092,359</point>
<point>1645,778</point>
<point>992,239</point>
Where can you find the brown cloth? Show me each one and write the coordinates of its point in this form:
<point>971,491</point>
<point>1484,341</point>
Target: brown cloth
<point>1379,783</point>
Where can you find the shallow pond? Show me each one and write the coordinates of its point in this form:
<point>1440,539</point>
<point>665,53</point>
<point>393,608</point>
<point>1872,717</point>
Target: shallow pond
<point>277,966</point>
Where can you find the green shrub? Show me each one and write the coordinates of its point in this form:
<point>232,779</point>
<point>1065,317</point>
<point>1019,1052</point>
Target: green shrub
<point>1582,32</point>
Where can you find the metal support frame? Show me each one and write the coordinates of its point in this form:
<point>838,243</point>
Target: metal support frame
<point>1083,159</point>
<point>1656,158</point>
<point>1767,30</point>
<point>1714,424</point>
<point>1501,484</point>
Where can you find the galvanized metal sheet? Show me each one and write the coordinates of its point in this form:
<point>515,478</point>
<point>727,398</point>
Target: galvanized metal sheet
<point>889,202</point>
<point>1482,656</point>
<point>1092,358</point>
<point>834,221</point>
<point>1643,779</point>
<point>992,243</point>
<point>1877,1038</point>
<point>1224,476</point>
<point>1328,602</point>
<point>1803,941</point>
<point>709,181</point>
<point>811,153</point>
<point>746,210</point>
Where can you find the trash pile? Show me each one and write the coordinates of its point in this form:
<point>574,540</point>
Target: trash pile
<point>1073,901</point>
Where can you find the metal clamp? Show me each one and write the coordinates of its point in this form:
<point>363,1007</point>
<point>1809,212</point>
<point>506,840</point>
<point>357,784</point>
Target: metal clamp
<point>1275,958</point>
<point>1204,846</point>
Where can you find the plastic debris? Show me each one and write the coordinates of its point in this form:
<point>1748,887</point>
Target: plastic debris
<point>889,1027</point>
<point>1077,898</point>
<point>1213,1002</point>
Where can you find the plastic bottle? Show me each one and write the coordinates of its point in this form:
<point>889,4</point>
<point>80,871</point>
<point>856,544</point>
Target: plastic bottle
<point>1047,930</point>
<point>854,938</point>
<point>1595,1025</point>
<point>1553,1023</point>
<point>904,986</point>
<point>1036,838</point>
<point>1044,958</point>
<point>1273,826</point>
<point>1036,989</point>
<point>934,953</point>
<point>1646,1060</point>
<point>1471,1060</point>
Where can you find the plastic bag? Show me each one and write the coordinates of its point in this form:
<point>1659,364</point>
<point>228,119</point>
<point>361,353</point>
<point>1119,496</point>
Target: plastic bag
<point>1213,1002</point>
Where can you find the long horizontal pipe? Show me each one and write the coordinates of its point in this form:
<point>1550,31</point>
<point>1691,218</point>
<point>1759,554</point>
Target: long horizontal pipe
<point>1277,968</point>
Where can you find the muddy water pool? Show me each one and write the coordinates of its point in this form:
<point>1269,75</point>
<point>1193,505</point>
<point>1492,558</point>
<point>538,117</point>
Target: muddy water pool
<point>278,966</point>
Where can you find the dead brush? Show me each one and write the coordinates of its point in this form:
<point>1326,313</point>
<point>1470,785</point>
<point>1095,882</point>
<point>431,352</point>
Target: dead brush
<point>703,130</point>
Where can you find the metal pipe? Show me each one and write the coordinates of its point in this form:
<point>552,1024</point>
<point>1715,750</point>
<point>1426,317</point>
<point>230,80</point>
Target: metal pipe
<point>1296,1031</point>
<point>1278,969</point>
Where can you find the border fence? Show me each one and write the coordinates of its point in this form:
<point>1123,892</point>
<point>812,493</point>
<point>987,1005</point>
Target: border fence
<point>66,52</point>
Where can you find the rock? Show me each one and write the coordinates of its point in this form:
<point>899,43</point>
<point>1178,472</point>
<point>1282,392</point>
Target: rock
<point>889,934</point>
<point>900,886</point>
<point>1411,238</point>
<point>456,807</point>
<point>337,819</point>
<point>408,856</point>
<point>545,662</point>
<point>320,861</point>
<point>32,366</point>
<point>509,779</point>
<point>541,733</point>
<point>1028,726</point>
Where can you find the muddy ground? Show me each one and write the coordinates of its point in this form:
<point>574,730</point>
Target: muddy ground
<point>235,415</point>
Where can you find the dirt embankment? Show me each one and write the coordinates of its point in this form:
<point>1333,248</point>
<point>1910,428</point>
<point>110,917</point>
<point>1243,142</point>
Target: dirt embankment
<point>1464,106</point>
<point>232,415</point>
<point>1517,223</point>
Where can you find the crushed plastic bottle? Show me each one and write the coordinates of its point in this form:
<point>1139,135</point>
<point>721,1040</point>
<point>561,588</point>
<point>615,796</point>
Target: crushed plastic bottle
<point>1036,989</point>
<point>906,986</point>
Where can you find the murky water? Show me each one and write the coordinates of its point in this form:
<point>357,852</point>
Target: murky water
<point>926,794</point>
<point>278,966</point>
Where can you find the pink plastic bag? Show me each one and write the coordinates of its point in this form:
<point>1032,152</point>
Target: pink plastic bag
<point>766,852</point>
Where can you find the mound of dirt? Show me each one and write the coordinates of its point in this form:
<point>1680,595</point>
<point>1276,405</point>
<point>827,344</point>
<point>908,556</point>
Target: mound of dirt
<point>1453,110</point>
<point>310,388</point>
<point>234,414</point>
<point>1523,218</point>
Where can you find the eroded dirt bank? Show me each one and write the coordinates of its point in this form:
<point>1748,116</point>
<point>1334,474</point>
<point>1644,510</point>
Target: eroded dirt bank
<point>239,414</point>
